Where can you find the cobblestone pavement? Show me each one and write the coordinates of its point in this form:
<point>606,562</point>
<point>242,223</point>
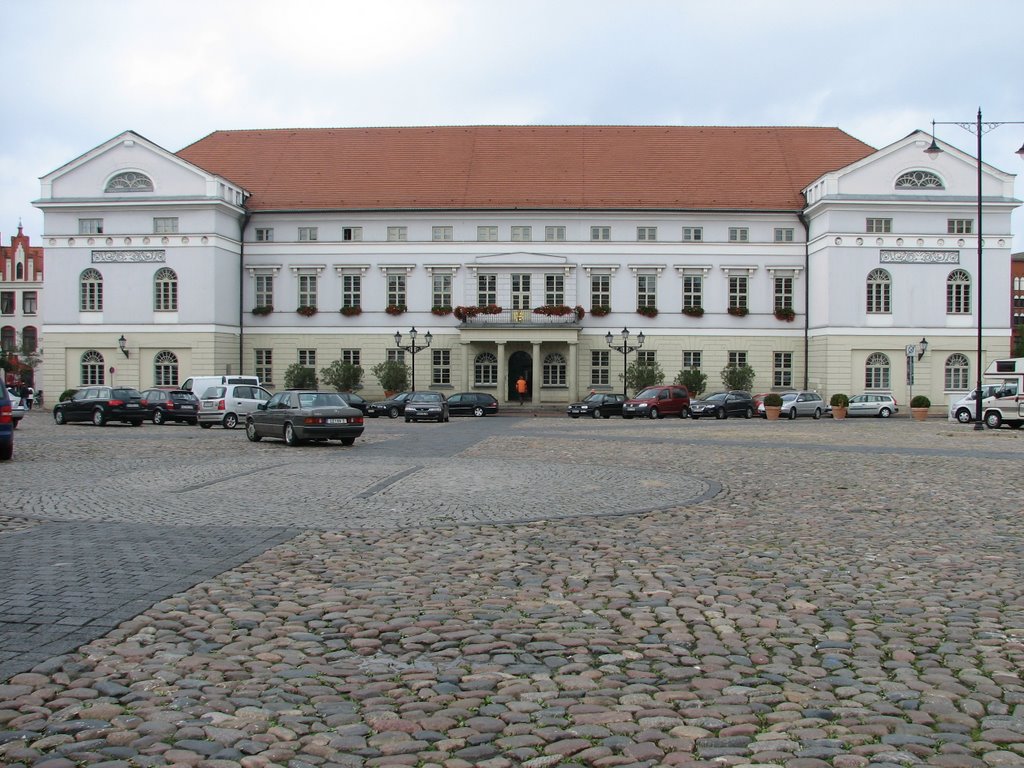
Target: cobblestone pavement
<point>516,592</point>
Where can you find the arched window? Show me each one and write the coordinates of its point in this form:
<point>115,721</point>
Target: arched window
<point>8,339</point>
<point>165,369</point>
<point>919,180</point>
<point>879,292</point>
<point>92,368</point>
<point>165,290</point>
<point>19,271</point>
<point>90,297</point>
<point>876,371</point>
<point>958,293</point>
<point>958,372</point>
<point>553,370</point>
<point>485,369</point>
<point>130,181</point>
<point>30,338</point>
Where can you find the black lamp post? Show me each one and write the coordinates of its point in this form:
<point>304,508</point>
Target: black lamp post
<point>122,344</point>
<point>412,348</point>
<point>625,348</point>
<point>978,128</point>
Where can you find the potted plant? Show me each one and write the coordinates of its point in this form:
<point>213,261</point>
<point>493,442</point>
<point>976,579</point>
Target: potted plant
<point>739,311</point>
<point>306,310</point>
<point>694,311</point>
<point>392,375</point>
<point>349,311</point>
<point>600,310</point>
<point>785,313</point>
<point>647,311</point>
<point>441,310</point>
<point>395,309</point>
<point>263,309</point>
<point>919,406</point>
<point>772,406</point>
<point>839,403</point>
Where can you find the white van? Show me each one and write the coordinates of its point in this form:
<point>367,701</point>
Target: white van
<point>198,385</point>
<point>1008,406</point>
<point>965,409</point>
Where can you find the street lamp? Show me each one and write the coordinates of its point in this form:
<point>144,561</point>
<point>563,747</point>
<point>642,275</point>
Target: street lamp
<point>122,344</point>
<point>625,348</point>
<point>412,348</point>
<point>979,129</point>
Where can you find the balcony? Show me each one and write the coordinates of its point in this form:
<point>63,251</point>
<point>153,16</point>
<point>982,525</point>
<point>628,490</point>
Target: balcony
<point>496,317</point>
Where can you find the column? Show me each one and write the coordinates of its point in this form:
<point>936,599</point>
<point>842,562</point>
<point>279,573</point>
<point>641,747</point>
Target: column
<point>536,373</point>
<point>502,394</point>
<point>572,375</point>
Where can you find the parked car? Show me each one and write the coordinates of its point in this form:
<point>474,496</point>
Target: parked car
<point>658,402</point>
<point>965,409</point>
<point>18,408</point>
<point>199,384</point>
<point>356,401</point>
<point>164,405</point>
<point>472,404</point>
<point>802,403</point>
<point>426,405</point>
<point>101,405</point>
<point>597,405</point>
<point>759,401</point>
<point>298,415</point>
<point>393,407</point>
<point>722,405</point>
<point>229,404</point>
<point>6,426</point>
<point>882,406</point>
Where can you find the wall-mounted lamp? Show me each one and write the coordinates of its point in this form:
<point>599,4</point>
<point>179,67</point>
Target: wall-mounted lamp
<point>122,344</point>
<point>922,347</point>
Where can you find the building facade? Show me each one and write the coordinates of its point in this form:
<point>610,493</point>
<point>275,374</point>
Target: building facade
<point>802,252</point>
<point>21,292</point>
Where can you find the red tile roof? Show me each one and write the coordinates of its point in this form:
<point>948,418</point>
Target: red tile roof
<point>526,167</point>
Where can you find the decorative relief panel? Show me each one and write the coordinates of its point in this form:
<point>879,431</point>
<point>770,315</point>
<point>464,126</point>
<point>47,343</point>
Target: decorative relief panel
<point>919,257</point>
<point>130,257</point>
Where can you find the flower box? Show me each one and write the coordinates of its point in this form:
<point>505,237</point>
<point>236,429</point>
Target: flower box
<point>262,310</point>
<point>739,311</point>
<point>306,311</point>
<point>395,309</point>
<point>785,313</point>
<point>441,310</point>
<point>693,311</point>
<point>647,311</point>
<point>600,311</point>
<point>464,313</point>
<point>351,311</point>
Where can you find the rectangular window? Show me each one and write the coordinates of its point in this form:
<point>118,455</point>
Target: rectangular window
<point>782,370</point>
<point>783,293</point>
<point>308,234</point>
<point>959,226</point>
<point>693,291</point>
<point>600,233</point>
<point>352,234</point>
<point>351,290</point>
<point>554,234</point>
<point>396,356</point>
<point>691,359</point>
<point>600,366</point>
<point>90,226</point>
<point>441,294</point>
<point>486,234</point>
<point>441,370</point>
<point>165,225</point>
<point>307,358</point>
<point>398,234</point>
<point>738,292</point>
<point>265,365</point>
<point>486,290</point>
<point>396,291</point>
<point>6,302</point>
<point>737,359</point>
<point>30,304</point>
<point>265,235</point>
<point>601,291</point>
<point>646,291</point>
<point>739,234</point>
<point>350,356</point>
<point>554,290</point>
<point>522,234</point>
<point>878,226</point>
<point>520,291</point>
<point>783,234</point>
<point>307,290</point>
<point>693,234</point>
<point>264,290</point>
<point>647,233</point>
<point>646,357</point>
<point>442,233</point>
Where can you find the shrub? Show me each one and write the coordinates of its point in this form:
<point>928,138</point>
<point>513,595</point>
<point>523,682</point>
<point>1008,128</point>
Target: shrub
<point>773,399</point>
<point>640,375</point>
<point>298,376</point>
<point>67,394</point>
<point>738,377</point>
<point>920,401</point>
<point>694,381</point>
<point>839,400</point>
<point>343,376</point>
<point>392,375</point>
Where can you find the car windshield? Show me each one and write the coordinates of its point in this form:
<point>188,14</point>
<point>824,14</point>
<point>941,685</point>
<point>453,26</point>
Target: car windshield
<point>125,393</point>
<point>593,397</point>
<point>647,394</point>
<point>425,397</point>
<point>716,398</point>
<point>789,397</point>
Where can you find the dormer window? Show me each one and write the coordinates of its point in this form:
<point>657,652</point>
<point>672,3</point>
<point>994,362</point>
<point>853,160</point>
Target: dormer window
<point>919,180</point>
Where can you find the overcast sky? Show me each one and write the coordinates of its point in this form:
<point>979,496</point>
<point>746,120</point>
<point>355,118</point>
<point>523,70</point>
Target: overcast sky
<point>79,72</point>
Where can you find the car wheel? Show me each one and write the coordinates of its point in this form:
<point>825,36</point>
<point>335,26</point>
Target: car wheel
<point>251,433</point>
<point>98,418</point>
<point>964,416</point>
<point>393,412</point>
<point>792,413</point>
<point>348,440</point>
<point>993,420</point>
<point>596,413</point>
<point>654,414</point>
<point>206,425</point>
<point>478,411</point>
<point>289,435</point>
<point>7,450</point>
<point>817,413</point>
<point>158,416</point>
<point>720,414</point>
<point>407,419</point>
<point>58,417</point>
<point>749,413</point>
<point>885,413</point>
<point>684,413</point>
<point>230,421</point>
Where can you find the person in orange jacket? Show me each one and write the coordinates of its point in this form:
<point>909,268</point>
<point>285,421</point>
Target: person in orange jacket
<point>521,389</point>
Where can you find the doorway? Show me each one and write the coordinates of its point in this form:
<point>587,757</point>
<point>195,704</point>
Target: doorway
<point>520,364</point>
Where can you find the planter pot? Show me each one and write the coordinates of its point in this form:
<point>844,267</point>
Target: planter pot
<point>919,414</point>
<point>838,412</point>
<point>772,412</point>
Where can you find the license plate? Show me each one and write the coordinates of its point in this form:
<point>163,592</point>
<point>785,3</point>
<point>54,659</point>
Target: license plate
<point>337,421</point>
<point>133,405</point>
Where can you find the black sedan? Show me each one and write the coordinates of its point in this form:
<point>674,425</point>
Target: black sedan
<point>597,406</point>
<point>472,404</point>
<point>393,407</point>
<point>166,405</point>
<point>356,401</point>
<point>296,416</point>
<point>101,405</point>
<point>722,405</point>
<point>431,406</point>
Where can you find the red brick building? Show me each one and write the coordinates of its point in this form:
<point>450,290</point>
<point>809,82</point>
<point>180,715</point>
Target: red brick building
<point>21,287</point>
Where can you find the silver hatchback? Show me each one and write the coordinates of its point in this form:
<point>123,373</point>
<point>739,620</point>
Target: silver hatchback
<point>227,405</point>
<point>882,406</point>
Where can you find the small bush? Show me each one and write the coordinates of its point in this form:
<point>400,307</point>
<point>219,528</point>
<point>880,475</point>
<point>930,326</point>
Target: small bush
<point>920,401</point>
<point>67,394</point>
<point>344,377</point>
<point>298,376</point>
<point>392,375</point>
<point>839,400</point>
<point>773,399</point>
<point>694,381</point>
<point>739,377</point>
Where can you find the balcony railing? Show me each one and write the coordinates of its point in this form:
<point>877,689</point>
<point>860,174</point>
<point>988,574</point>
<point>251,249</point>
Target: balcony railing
<point>521,317</point>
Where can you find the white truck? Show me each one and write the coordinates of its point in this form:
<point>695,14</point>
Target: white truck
<point>1008,406</point>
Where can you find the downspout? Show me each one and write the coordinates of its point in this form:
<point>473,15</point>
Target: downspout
<point>241,289</point>
<point>807,297</point>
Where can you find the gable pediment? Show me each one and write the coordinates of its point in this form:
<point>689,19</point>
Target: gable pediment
<point>520,259</point>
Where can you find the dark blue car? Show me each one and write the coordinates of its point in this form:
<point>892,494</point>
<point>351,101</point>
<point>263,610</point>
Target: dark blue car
<point>6,425</point>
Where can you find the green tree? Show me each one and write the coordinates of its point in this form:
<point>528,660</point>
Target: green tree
<point>344,377</point>
<point>641,374</point>
<point>738,377</point>
<point>298,376</point>
<point>392,375</point>
<point>694,381</point>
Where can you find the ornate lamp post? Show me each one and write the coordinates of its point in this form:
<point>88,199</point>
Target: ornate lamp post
<point>412,348</point>
<point>625,348</point>
<point>979,129</point>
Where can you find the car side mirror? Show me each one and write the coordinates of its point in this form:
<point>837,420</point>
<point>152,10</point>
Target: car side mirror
<point>261,406</point>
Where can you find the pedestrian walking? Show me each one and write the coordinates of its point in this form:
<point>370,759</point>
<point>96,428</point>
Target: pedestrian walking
<point>521,389</point>
<point>30,397</point>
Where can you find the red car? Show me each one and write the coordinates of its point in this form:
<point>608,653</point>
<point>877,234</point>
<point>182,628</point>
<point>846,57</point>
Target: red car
<point>658,402</point>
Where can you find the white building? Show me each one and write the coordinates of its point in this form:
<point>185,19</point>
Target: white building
<point>715,228</point>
